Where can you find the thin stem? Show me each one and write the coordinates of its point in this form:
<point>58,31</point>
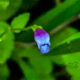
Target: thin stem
<point>23,29</point>
<point>24,44</point>
<point>33,27</point>
<point>63,25</point>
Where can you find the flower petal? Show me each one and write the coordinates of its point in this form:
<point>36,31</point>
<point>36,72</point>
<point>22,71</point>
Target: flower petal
<point>41,36</point>
<point>45,48</point>
<point>42,39</point>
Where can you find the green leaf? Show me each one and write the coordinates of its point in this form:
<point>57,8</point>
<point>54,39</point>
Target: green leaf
<point>1,29</point>
<point>42,65</point>
<point>57,59</point>
<point>59,37</point>
<point>70,45</point>
<point>69,39</point>
<point>20,21</point>
<point>4,72</point>
<point>28,36</point>
<point>47,77</point>
<point>55,17</point>
<point>72,62</point>
<point>11,8</point>
<point>6,43</point>
<point>28,52</point>
<point>29,72</point>
<point>4,3</point>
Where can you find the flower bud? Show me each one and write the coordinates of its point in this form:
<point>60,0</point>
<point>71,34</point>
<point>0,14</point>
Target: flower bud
<point>42,39</point>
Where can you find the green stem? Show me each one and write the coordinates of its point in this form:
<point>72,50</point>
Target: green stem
<point>60,27</point>
<point>33,27</point>
<point>23,29</point>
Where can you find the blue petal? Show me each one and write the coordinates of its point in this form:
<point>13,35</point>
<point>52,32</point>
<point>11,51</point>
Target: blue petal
<point>45,48</point>
<point>42,39</point>
<point>39,44</point>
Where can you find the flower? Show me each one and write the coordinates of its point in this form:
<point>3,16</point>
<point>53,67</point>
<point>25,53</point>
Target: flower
<point>42,39</point>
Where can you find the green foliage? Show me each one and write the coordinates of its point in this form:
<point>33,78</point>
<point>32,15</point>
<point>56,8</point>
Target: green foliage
<point>20,21</point>
<point>4,3</point>
<point>72,62</point>
<point>17,40</point>
<point>59,38</point>
<point>41,65</point>
<point>6,43</point>
<point>29,73</point>
<point>4,72</point>
<point>12,8</point>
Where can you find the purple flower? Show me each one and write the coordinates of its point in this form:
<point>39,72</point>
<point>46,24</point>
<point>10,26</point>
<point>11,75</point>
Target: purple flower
<point>42,39</point>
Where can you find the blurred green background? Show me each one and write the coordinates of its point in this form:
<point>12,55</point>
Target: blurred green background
<point>20,58</point>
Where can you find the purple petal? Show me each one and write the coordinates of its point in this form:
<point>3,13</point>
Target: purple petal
<point>41,36</point>
<point>42,39</point>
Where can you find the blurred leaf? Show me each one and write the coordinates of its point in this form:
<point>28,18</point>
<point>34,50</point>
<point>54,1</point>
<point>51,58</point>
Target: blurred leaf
<point>29,52</point>
<point>42,65</point>
<point>60,40</point>
<point>20,21</point>
<point>4,72</point>
<point>55,17</point>
<point>56,59</point>
<point>69,39</point>
<point>1,29</point>
<point>13,7</point>
<point>39,64</point>
<point>6,43</point>
<point>28,36</point>
<point>66,48</point>
<point>60,36</point>
<point>47,77</point>
<point>4,3</point>
<point>57,38</point>
<point>72,62</point>
<point>29,73</point>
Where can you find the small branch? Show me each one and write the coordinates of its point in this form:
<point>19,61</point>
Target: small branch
<point>64,25</point>
<point>24,44</point>
<point>23,29</point>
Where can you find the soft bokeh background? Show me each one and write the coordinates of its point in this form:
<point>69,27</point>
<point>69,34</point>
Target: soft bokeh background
<point>20,58</point>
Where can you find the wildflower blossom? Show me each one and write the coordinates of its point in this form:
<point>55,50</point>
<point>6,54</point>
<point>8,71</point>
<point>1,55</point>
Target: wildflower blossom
<point>42,39</point>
